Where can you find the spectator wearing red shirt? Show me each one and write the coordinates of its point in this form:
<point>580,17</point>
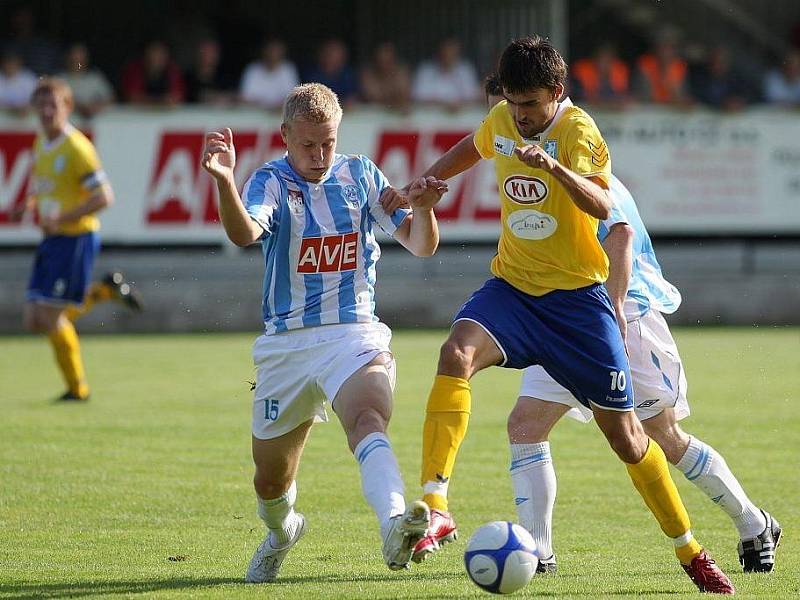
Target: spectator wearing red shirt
<point>154,79</point>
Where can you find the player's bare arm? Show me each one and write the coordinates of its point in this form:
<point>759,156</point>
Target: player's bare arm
<point>456,160</point>
<point>419,233</point>
<point>102,197</point>
<point>619,248</point>
<point>219,159</point>
<point>17,212</point>
<point>588,193</point>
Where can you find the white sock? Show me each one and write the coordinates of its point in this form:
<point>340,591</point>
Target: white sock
<point>279,516</point>
<point>380,478</point>
<point>705,467</point>
<point>534,479</point>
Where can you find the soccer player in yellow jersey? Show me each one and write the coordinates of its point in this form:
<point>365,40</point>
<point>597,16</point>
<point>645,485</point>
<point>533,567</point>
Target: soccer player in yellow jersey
<point>546,303</point>
<point>69,188</point>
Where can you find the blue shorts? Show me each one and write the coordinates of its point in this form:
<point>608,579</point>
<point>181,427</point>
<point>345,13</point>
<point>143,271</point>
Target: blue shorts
<point>573,334</point>
<point>63,268</point>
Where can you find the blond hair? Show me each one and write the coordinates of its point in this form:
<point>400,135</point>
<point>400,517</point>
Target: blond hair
<point>53,85</point>
<point>312,102</point>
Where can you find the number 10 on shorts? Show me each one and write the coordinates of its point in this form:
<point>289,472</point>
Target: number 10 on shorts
<point>271,409</point>
<point>618,381</point>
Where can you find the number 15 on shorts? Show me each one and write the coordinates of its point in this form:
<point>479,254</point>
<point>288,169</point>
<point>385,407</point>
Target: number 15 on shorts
<point>271,409</point>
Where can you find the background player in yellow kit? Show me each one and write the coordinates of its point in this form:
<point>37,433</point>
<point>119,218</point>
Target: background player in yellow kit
<point>546,303</point>
<point>69,188</point>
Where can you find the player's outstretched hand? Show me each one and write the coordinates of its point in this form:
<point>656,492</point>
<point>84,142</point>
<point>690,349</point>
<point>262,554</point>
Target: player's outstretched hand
<point>425,192</point>
<point>534,156</point>
<point>219,155</point>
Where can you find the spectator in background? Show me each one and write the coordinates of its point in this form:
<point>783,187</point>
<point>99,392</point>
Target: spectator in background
<point>386,80</point>
<point>205,82</point>
<point>267,82</point>
<point>38,54</point>
<point>782,85</point>
<point>662,74</point>
<point>333,71</point>
<point>153,79</point>
<point>16,83</point>
<point>602,79</point>
<point>447,80</point>
<point>717,84</point>
<point>91,91</point>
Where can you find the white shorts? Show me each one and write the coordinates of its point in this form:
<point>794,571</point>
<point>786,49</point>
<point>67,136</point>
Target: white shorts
<point>659,381</point>
<point>298,371</point>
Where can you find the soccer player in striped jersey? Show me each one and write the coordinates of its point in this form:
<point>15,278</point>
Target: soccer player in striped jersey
<point>546,304</point>
<point>314,213</point>
<point>69,189</point>
<point>640,296</point>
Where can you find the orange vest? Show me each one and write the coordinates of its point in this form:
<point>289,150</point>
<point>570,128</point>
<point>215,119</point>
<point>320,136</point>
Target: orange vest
<point>585,71</point>
<point>661,79</point>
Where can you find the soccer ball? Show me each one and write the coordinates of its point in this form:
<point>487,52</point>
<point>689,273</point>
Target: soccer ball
<point>501,557</point>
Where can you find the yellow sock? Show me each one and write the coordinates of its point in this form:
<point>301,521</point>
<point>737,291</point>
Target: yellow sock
<point>446,419</point>
<point>67,348</point>
<point>98,292</point>
<point>652,480</point>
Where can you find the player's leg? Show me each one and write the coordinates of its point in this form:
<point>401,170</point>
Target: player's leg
<point>468,349</point>
<point>113,286</point>
<point>276,462</point>
<point>532,472</point>
<point>759,533</point>
<point>364,407</point>
<point>49,319</point>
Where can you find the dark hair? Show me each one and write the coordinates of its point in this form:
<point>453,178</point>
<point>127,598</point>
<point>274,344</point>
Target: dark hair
<point>530,63</point>
<point>492,85</point>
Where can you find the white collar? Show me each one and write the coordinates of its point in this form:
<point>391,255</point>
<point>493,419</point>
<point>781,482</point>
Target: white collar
<point>562,106</point>
<point>48,145</point>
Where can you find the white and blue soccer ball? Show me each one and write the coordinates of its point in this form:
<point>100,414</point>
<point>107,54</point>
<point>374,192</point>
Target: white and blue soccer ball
<point>501,557</point>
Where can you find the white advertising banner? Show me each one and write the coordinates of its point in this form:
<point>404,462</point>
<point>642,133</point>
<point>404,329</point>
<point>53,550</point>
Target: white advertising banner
<point>693,173</point>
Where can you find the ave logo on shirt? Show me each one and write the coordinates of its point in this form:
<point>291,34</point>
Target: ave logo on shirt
<point>525,190</point>
<point>328,254</point>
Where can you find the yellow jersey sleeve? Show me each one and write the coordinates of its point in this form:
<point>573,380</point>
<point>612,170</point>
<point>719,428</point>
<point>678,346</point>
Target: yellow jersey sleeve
<point>485,136</point>
<point>587,150</point>
<point>85,163</point>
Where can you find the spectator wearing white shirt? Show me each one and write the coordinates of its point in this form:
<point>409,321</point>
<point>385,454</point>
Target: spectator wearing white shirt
<point>782,86</point>
<point>268,81</point>
<point>448,80</point>
<point>91,91</point>
<point>16,84</point>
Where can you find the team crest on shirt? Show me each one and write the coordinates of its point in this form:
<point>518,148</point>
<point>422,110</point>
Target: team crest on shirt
<point>525,190</point>
<point>295,201</point>
<point>59,163</point>
<point>551,148</point>
<point>351,196</point>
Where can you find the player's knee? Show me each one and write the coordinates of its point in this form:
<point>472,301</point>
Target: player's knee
<point>269,487</point>
<point>455,360</point>
<point>672,439</point>
<point>369,420</point>
<point>522,424</point>
<point>629,446</point>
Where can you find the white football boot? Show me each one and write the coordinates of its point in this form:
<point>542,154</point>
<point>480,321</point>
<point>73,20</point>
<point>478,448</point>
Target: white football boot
<point>404,532</point>
<point>267,560</point>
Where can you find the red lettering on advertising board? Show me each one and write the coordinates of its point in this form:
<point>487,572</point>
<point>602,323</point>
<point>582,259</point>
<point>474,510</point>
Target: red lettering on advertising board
<point>16,160</point>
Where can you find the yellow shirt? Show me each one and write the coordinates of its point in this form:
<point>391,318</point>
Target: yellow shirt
<point>547,243</point>
<point>65,173</point>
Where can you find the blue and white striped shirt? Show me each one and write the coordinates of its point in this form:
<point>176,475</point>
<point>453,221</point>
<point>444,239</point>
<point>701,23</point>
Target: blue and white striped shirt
<point>647,287</point>
<point>319,247</point>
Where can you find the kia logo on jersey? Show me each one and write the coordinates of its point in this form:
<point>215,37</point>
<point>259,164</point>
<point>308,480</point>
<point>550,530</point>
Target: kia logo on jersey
<point>525,190</point>
<point>328,254</point>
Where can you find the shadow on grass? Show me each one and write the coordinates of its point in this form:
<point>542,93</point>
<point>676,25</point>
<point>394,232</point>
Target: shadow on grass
<point>29,591</point>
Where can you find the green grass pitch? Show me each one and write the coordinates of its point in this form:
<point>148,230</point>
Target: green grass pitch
<point>145,491</point>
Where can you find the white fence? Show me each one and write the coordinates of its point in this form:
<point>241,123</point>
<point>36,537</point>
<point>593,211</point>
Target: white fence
<point>691,172</point>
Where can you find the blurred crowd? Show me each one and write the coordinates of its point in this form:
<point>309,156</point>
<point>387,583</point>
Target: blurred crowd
<point>663,75</point>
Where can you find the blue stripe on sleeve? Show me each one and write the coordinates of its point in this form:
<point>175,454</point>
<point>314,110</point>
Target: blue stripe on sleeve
<point>283,284</point>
